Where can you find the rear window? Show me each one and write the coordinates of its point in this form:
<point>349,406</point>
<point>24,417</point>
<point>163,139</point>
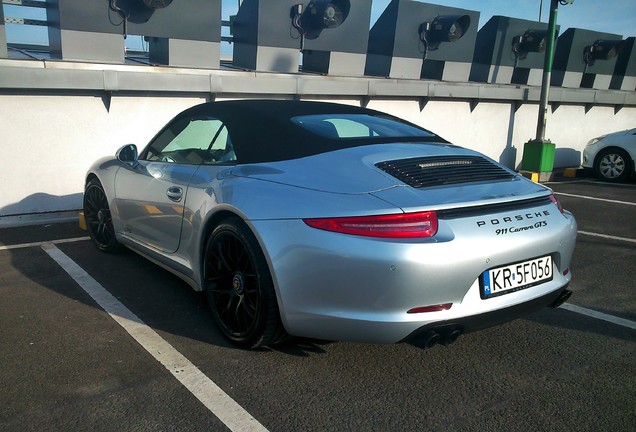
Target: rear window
<point>343,126</point>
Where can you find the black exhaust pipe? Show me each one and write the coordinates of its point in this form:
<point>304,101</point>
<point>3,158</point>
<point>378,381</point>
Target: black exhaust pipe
<point>443,336</point>
<point>562,298</point>
<point>449,336</point>
<point>430,339</point>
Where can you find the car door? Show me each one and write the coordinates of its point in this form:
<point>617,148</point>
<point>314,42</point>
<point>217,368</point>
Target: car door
<point>151,195</point>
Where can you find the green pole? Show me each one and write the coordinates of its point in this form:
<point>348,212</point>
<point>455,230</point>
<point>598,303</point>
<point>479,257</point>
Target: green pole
<point>547,70</point>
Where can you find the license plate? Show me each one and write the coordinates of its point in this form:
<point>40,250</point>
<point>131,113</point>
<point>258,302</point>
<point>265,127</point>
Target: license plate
<point>515,277</point>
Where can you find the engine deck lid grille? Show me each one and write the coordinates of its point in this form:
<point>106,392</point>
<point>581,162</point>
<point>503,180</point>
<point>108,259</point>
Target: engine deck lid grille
<point>432,171</point>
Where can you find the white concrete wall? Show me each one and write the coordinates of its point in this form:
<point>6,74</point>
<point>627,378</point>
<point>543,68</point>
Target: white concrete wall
<point>496,130</point>
<point>48,142</point>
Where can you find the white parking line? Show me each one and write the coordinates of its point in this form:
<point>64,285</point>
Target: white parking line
<point>203,388</point>
<point>595,199</point>
<point>617,185</point>
<point>593,182</point>
<point>599,315</point>
<point>564,182</point>
<point>625,239</point>
<point>39,244</point>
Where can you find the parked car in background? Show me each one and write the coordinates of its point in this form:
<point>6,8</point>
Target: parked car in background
<point>333,222</point>
<point>612,156</point>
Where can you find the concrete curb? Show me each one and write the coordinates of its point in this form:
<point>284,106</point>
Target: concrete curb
<point>541,177</point>
<point>38,218</point>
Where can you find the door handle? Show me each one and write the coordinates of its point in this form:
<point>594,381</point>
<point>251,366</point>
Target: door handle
<point>174,193</point>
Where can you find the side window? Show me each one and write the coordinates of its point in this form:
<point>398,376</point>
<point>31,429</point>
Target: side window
<point>195,141</point>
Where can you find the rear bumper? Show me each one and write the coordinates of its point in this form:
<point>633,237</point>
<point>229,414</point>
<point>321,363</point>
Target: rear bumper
<point>337,287</point>
<point>488,319</point>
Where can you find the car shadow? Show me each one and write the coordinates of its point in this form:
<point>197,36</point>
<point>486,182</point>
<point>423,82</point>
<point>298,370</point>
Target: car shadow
<point>565,319</point>
<point>158,298</point>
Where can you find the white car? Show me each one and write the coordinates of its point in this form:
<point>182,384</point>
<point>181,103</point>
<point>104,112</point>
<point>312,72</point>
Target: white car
<point>612,156</point>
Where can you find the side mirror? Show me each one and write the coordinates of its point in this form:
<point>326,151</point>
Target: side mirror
<point>128,154</point>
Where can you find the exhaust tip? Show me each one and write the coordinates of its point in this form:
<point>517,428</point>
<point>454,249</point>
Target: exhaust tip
<point>432,340</point>
<point>562,298</point>
<point>427,339</point>
<point>442,336</point>
<point>450,336</point>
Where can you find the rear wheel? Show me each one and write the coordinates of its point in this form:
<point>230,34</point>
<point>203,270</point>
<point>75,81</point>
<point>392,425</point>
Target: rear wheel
<point>98,218</point>
<point>239,287</point>
<point>613,165</point>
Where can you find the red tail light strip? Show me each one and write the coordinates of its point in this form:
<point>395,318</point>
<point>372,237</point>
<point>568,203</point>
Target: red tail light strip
<point>556,202</point>
<point>403,225</point>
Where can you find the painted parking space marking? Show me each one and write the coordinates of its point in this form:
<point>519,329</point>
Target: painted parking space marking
<point>599,315</point>
<point>619,185</point>
<point>235,417</point>
<point>39,244</point>
<point>595,199</point>
<point>592,182</point>
<point>563,182</point>
<point>605,236</point>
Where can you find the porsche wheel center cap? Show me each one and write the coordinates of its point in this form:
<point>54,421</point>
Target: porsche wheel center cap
<point>101,217</point>
<point>238,283</point>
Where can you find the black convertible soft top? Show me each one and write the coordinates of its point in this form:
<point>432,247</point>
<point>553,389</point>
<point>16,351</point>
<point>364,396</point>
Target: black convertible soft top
<point>263,130</point>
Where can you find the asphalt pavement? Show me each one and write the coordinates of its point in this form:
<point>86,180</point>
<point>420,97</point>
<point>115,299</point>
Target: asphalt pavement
<point>68,364</point>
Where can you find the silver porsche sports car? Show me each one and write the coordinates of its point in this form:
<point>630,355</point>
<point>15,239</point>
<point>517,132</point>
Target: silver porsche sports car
<point>333,222</point>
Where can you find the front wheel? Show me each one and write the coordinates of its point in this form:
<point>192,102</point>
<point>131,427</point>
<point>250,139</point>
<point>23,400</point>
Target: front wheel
<point>239,287</point>
<point>613,165</point>
<point>98,218</point>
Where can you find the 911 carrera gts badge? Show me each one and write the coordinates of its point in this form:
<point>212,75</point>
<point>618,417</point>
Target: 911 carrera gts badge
<point>516,229</point>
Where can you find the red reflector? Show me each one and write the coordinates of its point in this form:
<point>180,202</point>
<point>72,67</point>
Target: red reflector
<point>432,308</point>
<point>566,271</point>
<point>402,225</point>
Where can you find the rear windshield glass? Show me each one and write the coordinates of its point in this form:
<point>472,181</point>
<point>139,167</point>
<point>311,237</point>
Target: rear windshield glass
<point>342,126</point>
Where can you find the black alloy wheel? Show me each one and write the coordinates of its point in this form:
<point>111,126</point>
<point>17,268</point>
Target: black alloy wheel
<point>613,165</point>
<point>98,217</point>
<point>239,287</point>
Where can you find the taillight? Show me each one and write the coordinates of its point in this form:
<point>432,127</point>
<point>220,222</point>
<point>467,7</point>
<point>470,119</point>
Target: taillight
<point>556,202</point>
<point>403,225</point>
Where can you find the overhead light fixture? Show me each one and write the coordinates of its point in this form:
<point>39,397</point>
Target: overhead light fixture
<point>157,4</point>
<point>136,11</point>
<point>444,28</point>
<point>532,40</point>
<point>318,16</point>
<point>601,50</point>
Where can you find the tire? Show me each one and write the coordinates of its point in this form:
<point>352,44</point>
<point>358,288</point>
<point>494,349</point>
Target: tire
<point>613,165</point>
<point>98,218</point>
<point>239,287</point>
